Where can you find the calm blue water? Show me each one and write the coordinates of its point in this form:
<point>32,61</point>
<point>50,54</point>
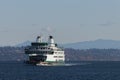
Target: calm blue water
<point>76,71</point>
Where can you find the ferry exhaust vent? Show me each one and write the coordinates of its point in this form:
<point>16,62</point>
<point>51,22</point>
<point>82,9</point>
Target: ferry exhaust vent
<point>39,39</point>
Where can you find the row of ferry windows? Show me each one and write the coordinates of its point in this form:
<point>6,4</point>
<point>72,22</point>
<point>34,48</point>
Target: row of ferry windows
<point>58,56</point>
<point>51,52</point>
<point>45,48</point>
<point>42,52</point>
<point>42,48</point>
<point>58,52</point>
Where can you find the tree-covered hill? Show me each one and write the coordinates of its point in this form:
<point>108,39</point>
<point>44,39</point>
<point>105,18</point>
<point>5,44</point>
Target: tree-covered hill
<point>17,54</point>
<point>12,53</point>
<point>93,54</point>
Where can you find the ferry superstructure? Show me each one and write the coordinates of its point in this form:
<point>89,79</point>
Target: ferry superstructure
<point>45,52</point>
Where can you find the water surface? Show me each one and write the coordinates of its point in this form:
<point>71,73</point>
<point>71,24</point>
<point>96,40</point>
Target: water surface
<point>75,71</point>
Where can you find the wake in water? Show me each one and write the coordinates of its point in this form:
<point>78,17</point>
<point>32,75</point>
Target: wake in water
<point>66,64</point>
<point>75,64</point>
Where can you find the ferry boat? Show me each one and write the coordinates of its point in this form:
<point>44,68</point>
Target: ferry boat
<point>45,53</point>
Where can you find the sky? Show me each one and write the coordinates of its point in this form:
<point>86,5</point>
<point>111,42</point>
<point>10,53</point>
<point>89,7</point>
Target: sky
<point>68,21</point>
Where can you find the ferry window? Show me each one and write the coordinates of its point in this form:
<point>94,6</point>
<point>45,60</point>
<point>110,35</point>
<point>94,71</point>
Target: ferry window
<point>60,56</point>
<point>55,56</point>
<point>37,48</point>
<point>45,52</point>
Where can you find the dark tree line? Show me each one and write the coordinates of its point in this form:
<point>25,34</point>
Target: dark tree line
<point>93,54</point>
<point>17,54</point>
<point>12,53</point>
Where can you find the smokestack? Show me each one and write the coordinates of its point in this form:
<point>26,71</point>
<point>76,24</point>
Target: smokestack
<point>39,39</point>
<point>51,41</point>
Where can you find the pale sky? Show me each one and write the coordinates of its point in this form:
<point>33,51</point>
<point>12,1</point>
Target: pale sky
<point>67,20</point>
